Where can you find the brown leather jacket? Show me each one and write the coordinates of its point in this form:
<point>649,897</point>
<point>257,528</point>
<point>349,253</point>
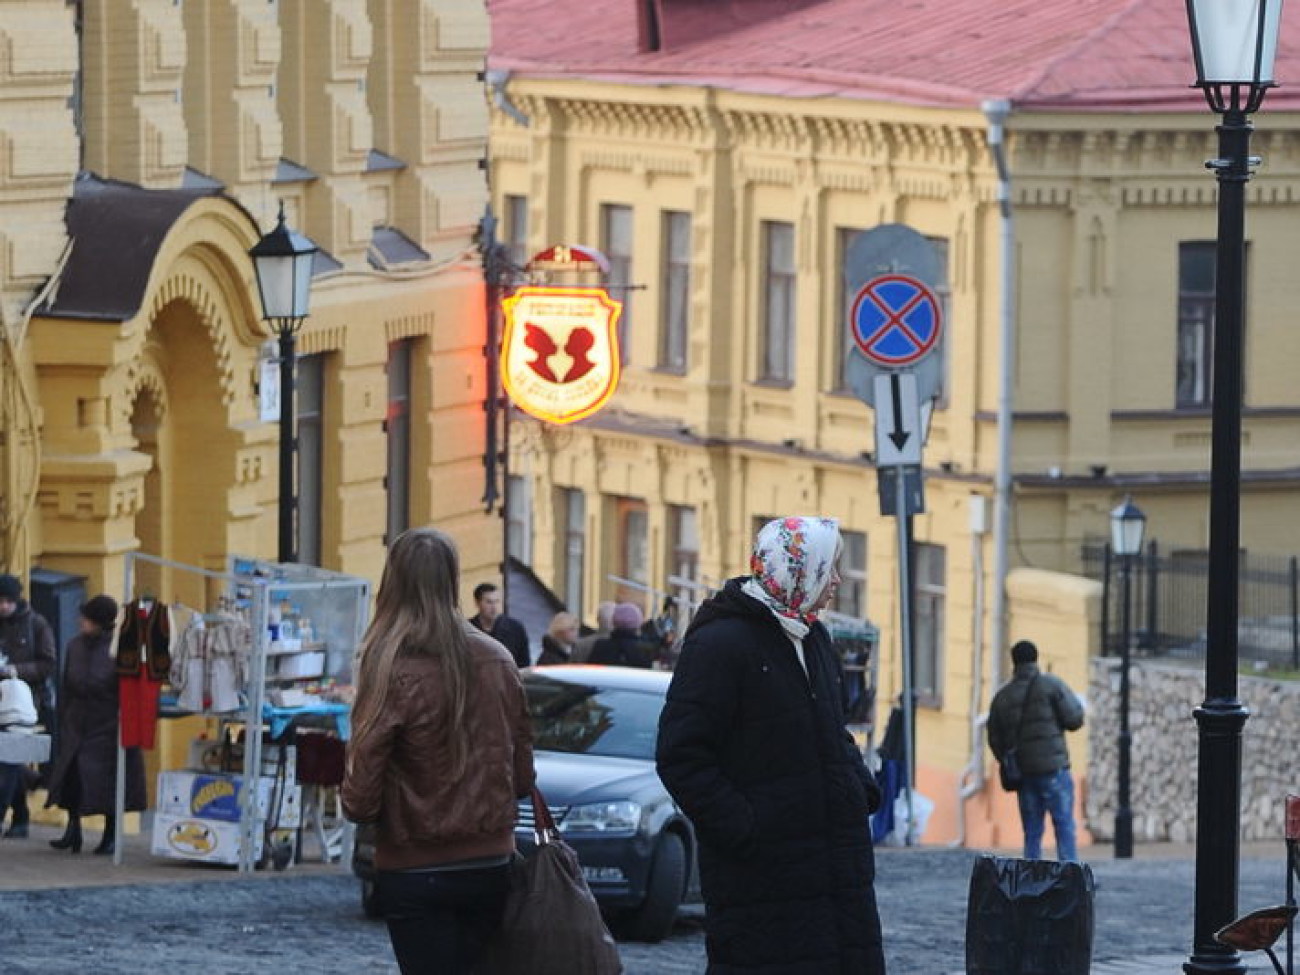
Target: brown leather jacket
<point>400,775</point>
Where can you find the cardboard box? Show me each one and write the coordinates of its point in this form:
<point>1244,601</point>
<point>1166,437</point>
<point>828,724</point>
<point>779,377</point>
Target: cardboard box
<point>205,840</point>
<point>218,797</point>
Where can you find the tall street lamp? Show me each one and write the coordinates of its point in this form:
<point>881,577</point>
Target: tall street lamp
<point>1127,524</point>
<point>1234,44</point>
<point>283,261</point>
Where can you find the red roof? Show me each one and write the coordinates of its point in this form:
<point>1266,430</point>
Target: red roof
<point>1089,55</point>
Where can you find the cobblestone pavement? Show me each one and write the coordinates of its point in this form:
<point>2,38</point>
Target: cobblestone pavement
<point>307,920</point>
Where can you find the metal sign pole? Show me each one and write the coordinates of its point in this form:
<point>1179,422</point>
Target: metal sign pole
<point>905,629</point>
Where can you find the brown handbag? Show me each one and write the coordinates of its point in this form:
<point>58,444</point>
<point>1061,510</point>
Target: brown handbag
<point>552,924</point>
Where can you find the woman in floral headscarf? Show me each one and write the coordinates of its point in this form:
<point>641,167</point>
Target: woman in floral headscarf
<point>752,746</point>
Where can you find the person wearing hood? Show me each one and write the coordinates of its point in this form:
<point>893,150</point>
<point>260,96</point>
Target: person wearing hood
<point>625,646</point>
<point>26,652</point>
<point>753,747</point>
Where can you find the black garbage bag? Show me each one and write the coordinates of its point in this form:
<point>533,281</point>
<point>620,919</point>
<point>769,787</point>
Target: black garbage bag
<point>1029,917</point>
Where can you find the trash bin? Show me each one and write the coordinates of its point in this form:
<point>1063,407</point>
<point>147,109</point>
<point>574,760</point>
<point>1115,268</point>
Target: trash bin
<point>1029,917</point>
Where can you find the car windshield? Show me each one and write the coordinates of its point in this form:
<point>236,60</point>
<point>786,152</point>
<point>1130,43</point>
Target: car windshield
<point>585,719</point>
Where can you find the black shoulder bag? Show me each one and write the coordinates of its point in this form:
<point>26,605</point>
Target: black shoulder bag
<point>1009,764</point>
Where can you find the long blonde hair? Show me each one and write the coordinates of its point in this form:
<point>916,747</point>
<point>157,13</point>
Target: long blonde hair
<point>417,614</point>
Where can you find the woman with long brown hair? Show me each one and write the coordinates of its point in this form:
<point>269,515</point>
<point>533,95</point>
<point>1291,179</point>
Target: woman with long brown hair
<point>440,751</point>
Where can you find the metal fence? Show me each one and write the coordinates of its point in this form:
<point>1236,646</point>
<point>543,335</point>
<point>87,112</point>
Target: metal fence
<point>1169,602</point>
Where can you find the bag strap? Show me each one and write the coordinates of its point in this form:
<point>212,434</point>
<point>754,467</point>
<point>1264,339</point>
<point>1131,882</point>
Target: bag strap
<point>544,828</point>
<point>1024,708</point>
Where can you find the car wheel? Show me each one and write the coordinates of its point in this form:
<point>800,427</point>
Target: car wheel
<point>653,920</point>
<point>370,900</point>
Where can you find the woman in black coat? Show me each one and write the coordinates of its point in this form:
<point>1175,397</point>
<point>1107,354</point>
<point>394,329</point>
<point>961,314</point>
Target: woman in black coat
<point>752,746</point>
<point>85,771</point>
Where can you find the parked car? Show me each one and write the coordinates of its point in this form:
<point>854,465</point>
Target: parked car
<point>594,734</point>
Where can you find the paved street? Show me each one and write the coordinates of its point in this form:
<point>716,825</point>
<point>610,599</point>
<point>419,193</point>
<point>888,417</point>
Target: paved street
<point>307,920</point>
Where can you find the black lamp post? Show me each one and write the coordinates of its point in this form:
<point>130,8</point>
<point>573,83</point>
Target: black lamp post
<point>283,262</point>
<point>1127,523</point>
<point>1234,44</point>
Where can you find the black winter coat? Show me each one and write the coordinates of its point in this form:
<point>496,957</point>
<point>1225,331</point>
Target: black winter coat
<point>85,769</point>
<point>622,648</point>
<point>756,754</point>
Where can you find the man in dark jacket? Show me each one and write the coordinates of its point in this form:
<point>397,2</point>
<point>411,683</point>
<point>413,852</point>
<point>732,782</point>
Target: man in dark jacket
<point>752,746</point>
<point>1031,713</point>
<point>625,646</point>
<point>491,618</point>
<point>27,644</point>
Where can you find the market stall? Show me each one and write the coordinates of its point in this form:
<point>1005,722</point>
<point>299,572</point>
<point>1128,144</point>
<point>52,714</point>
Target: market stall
<point>273,641</point>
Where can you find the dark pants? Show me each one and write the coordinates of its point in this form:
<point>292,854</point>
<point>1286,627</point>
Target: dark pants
<point>13,792</point>
<point>439,921</point>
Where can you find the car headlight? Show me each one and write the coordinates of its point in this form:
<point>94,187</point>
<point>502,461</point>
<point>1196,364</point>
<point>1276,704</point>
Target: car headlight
<point>601,817</point>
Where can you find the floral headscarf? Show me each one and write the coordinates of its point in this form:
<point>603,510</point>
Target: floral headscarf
<point>792,564</point>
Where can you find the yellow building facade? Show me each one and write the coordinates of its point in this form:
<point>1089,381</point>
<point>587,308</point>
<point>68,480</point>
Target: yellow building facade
<point>147,147</point>
<point>749,197</point>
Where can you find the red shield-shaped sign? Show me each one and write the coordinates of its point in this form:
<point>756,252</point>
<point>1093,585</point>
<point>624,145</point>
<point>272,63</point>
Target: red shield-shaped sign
<point>560,355</point>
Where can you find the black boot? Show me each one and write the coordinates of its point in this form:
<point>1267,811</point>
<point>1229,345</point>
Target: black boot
<point>71,838</point>
<point>108,842</point>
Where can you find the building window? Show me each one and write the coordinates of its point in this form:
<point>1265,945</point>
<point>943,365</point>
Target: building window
<point>1195,321</point>
<point>519,518</point>
<point>927,641</point>
<point>944,294</point>
<point>516,230</point>
<point>310,391</point>
<point>573,511</point>
<point>844,297</point>
<point>684,553</point>
<point>851,599</point>
<point>616,242</point>
<point>634,551</point>
<point>397,429</point>
<point>777,347</point>
<point>675,291</point>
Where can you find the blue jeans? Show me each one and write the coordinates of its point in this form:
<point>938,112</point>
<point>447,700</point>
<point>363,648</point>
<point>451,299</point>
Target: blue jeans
<point>1041,795</point>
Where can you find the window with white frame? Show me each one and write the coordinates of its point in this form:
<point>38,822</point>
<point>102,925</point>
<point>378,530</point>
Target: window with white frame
<point>1196,274</point>
<point>516,229</point>
<point>674,290</point>
<point>519,518</point>
<point>851,598</point>
<point>573,512</point>
<point>929,568</point>
<point>616,243</point>
<point>843,309</point>
<point>397,432</point>
<point>776,349</point>
<point>309,418</point>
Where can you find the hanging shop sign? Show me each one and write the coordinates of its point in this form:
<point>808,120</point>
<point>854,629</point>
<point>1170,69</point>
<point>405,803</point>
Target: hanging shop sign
<point>560,359</point>
<point>569,257</point>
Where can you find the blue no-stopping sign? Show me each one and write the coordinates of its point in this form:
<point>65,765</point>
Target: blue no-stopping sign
<point>896,320</point>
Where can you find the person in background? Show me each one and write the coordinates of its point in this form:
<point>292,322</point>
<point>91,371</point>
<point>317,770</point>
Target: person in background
<point>625,646</point>
<point>604,625</point>
<point>85,771</point>
<point>441,750</point>
<point>754,749</point>
<point>491,618</point>
<point>1040,708</point>
<point>27,643</point>
<point>560,640</point>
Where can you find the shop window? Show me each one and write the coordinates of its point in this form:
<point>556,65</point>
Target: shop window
<point>674,291</point>
<point>519,518</point>
<point>397,430</point>
<point>927,641</point>
<point>516,230</point>
<point>310,391</point>
<point>851,599</point>
<point>777,346</point>
<point>616,243</point>
<point>573,516</point>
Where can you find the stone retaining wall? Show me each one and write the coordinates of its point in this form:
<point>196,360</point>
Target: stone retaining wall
<point>1164,751</point>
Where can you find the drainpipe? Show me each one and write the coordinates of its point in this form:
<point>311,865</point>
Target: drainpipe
<point>996,111</point>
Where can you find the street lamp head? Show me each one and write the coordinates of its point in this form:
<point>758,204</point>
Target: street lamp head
<point>1127,525</point>
<point>283,262</point>
<point>1234,43</point>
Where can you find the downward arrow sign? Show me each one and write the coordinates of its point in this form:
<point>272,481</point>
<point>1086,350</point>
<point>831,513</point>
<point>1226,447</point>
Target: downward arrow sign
<point>898,435</point>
